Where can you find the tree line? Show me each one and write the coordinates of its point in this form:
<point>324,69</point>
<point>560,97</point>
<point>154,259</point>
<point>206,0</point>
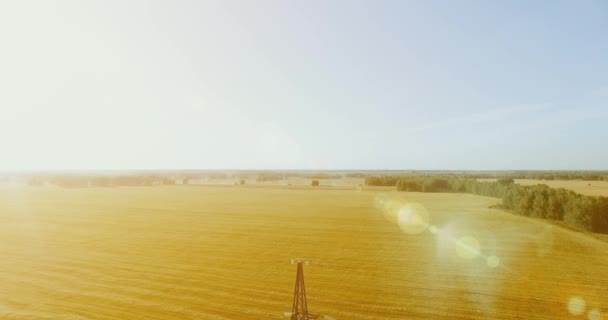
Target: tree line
<point>533,175</point>
<point>84,181</point>
<point>539,201</point>
<point>544,175</point>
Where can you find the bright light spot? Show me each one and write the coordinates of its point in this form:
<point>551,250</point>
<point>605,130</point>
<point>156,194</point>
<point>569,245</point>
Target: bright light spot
<point>391,210</point>
<point>544,241</point>
<point>379,201</point>
<point>467,247</point>
<point>493,261</point>
<point>413,218</point>
<point>594,314</point>
<point>576,305</point>
<point>433,229</point>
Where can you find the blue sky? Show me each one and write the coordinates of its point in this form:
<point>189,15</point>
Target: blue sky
<point>304,85</point>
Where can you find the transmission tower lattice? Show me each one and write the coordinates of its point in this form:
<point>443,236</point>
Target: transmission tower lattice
<point>299,311</point>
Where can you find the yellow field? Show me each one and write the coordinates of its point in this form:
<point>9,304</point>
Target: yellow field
<point>223,252</point>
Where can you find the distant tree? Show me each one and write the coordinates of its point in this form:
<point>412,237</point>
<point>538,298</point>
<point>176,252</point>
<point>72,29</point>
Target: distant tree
<point>539,205</point>
<point>315,183</point>
<point>269,177</point>
<point>505,181</point>
<point>436,185</point>
<point>555,207</point>
<point>578,213</point>
<point>382,180</point>
<point>409,184</point>
<point>599,219</point>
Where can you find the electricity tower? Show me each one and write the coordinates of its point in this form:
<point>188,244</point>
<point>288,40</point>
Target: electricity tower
<point>299,309</point>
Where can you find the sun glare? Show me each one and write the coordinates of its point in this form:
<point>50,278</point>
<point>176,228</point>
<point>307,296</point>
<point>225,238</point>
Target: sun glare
<point>493,261</point>
<point>467,247</point>
<point>576,305</point>
<point>413,218</point>
<point>594,314</point>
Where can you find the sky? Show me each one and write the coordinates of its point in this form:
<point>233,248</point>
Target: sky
<point>318,84</point>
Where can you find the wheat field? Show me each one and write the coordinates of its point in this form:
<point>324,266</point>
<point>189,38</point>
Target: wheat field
<point>223,252</point>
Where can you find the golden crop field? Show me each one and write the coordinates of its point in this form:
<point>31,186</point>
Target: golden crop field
<point>223,252</point>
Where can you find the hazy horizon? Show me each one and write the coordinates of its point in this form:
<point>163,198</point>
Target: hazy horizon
<point>318,85</point>
<point>287,170</point>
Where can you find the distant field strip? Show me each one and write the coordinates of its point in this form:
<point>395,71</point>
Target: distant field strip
<point>223,252</point>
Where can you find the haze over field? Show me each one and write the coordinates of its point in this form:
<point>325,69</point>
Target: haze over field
<point>313,85</point>
<point>186,160</point>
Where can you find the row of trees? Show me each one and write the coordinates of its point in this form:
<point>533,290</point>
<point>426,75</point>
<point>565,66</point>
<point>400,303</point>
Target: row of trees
<point>548,175</point>
<point>590,177</point>
<point>83,181</point>
<point>269,177</point>
<point>539,201</point>
<point>382,180</point>
<point>534,175</point>
<point>322,176</point>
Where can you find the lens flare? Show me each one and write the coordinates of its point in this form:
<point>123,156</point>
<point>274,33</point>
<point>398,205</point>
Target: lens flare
<point>544,241</point>
<point>391,210</point>
<point>467,247</point>
<point>413,218</point>
<point>493,261</point>
<point>576,305</point>
<point>594,314</point>
<point>379,201</point>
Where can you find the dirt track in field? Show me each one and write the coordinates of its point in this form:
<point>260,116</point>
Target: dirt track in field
<point>223,253</point>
